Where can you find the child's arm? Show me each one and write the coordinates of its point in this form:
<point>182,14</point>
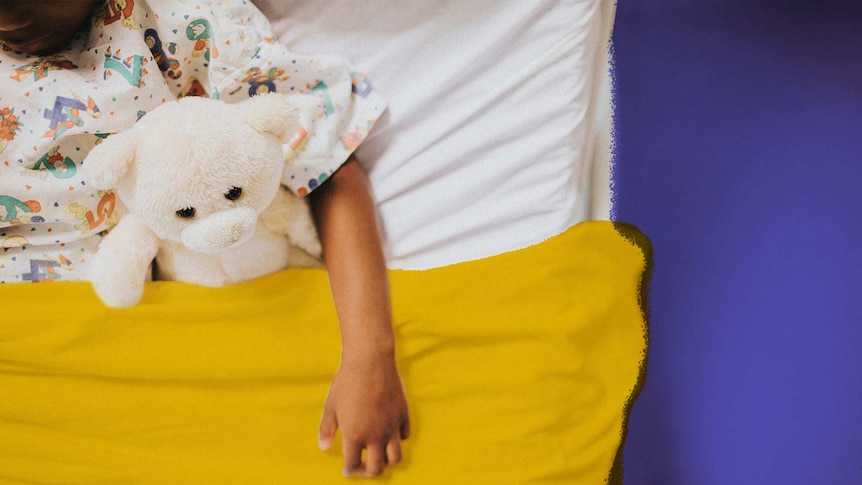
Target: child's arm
<point>366,399</point>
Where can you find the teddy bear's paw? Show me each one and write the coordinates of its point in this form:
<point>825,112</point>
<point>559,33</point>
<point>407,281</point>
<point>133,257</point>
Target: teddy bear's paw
<point>312,246</point>
<point>122,295</point>
<point>294,215</point>
<point>113,288</point>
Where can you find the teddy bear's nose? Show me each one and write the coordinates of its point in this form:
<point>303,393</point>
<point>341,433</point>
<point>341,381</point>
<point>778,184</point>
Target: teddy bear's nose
<point>230,236</point>
<point>221,230</point>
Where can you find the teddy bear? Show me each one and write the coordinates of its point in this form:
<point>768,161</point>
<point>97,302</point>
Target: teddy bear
<point>199,186</point>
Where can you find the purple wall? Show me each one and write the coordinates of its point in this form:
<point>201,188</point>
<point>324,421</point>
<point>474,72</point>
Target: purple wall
<point>739,153</point>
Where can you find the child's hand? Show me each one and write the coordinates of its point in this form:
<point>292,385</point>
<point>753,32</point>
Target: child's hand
<point>367,402</point>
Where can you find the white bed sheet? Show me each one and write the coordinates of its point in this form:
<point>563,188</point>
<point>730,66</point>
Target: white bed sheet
<point>498,130</point>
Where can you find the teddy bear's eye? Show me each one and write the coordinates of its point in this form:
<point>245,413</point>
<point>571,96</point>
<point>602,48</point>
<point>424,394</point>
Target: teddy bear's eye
<point>186,213</point>
<point>233,193</point>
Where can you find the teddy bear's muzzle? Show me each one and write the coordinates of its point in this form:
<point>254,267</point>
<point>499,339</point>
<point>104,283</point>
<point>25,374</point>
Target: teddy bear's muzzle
<point>220,231</point>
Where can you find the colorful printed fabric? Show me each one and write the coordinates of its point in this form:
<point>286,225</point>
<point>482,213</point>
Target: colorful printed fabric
<point>137,55</point>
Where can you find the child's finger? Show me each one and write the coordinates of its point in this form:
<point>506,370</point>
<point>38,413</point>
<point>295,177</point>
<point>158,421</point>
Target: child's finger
<point>328,425</point>
<point>352,453</point>
<point>375,460</point>
<point>405,428</point>
<point>393,451</point>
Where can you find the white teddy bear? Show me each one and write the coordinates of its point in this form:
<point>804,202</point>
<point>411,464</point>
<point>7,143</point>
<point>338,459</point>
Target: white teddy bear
<point>199,181</point>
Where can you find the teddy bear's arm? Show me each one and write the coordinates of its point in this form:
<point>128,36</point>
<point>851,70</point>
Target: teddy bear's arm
<point>291,216</point>
<point>120,266</point>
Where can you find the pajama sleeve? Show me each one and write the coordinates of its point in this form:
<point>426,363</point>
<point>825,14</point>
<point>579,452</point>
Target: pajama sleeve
<point>337,105</point>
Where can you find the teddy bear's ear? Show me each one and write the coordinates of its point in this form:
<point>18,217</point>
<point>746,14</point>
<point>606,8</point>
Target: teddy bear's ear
<point>272,113</point>
<point>109,161</point>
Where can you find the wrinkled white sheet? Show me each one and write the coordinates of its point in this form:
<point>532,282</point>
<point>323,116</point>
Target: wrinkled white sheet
<point>498,130</point>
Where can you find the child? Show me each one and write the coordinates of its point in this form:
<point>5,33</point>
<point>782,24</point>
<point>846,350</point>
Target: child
<point>74,72</point>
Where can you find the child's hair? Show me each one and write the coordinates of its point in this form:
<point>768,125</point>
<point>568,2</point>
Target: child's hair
<point>43,27</point>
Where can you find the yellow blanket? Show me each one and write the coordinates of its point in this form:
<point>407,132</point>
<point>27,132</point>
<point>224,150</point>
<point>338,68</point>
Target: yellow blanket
<point>518,369</point>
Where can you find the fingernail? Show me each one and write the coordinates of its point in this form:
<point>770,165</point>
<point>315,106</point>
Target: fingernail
<point>324,444</point>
